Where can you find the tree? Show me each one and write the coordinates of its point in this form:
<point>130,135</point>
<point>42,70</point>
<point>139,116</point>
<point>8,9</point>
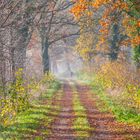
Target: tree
<point>112,21</point>
<point>52,26</point>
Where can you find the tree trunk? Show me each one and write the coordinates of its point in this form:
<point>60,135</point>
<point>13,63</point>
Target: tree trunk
<point>20,51</point>
<point>13,64</point>
<point>2,72</point>
<point>114,50</point>
<point>45,55</point>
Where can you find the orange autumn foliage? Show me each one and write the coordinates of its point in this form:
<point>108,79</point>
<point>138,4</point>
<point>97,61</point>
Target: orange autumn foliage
<point>111,6</point>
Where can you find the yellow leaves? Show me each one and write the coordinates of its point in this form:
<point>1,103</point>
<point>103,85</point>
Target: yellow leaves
<point>138,24</point>
<point>126,20</point>
<point>104,29</point>
<point>84,46</point>
<point>48,78</point>
<point>81,7</point>
<point>102,40</point>
<point>120,5</point>
<point>112,73</point>
<point>89,13</point>
<point>128,24</point>
<point>98,3</point>
<point>7,111</point>
<point>125,42</point>
<point>124,6</point>
<point>16,101</point>
<point>19,86</point>
<point>103,23</point>
<point>131,29</point>
<point>116,75</point>
<point>134,94</point>
<point>135,41</point>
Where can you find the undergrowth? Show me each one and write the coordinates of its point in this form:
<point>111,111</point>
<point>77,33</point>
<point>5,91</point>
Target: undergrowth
<point>26,124</point>
<point>122,113</point>
<point>118,105</point>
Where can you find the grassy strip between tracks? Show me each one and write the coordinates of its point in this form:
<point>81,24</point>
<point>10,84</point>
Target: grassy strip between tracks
<point>80,125</point>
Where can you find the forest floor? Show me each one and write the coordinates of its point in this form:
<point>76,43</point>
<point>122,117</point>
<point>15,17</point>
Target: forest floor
<point>71,114</point>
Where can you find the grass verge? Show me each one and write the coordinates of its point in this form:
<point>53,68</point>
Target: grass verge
<point>27,124</point>
<point>123,114</point>
<point>108,104</point>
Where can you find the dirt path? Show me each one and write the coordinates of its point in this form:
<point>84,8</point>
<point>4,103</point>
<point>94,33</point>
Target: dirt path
<point>61,127</point>
<point>78,115</point>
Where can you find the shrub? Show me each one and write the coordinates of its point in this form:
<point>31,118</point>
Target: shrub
<point>48,78</point>
<point>115,75</point>
<point>16,99</point>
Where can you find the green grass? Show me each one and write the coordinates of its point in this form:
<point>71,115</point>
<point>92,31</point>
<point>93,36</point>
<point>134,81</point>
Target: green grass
<point>106,103</point>
<point>80,124</point>
<point>28,123</point>
<point>51,90</point>
<point>123,114</point>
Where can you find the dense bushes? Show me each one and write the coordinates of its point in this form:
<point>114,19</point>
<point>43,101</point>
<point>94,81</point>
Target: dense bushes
<point>15,99</point>
<point>117,88</point>
<point>115,76</point>
<point>18,95</point>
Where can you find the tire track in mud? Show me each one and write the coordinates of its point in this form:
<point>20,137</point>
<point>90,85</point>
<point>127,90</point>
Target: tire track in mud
<point>63,114</point>
<point>61,128</point>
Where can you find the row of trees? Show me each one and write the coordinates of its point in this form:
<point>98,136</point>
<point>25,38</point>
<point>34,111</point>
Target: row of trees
<point>22,23</point>
<point>110,45</point>
<point>19,19</point>
<point>111,26</point>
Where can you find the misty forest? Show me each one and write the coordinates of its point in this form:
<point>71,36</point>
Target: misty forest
<point>69,69</point>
